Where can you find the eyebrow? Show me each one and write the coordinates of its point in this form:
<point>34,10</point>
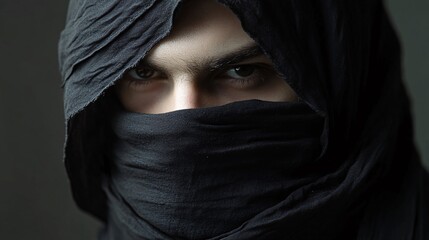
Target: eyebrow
<point>235,57</point>
<point>213,64</point>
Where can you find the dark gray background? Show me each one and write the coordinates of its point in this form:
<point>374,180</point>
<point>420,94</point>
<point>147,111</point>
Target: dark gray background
<point>35,200</point>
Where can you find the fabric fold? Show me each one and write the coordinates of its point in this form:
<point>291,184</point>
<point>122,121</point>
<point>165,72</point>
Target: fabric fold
<point>200,173</point>
<point>342,58</point>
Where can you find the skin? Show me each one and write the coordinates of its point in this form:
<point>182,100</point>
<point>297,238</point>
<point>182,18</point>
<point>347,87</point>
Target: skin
<point>207,60</point>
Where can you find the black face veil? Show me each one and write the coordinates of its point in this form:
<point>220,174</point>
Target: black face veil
<point>343,60</point>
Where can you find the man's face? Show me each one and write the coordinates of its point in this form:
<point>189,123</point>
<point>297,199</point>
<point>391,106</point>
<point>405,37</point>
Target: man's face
<point>207,60</point>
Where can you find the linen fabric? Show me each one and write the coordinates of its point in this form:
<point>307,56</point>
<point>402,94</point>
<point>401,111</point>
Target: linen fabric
<point>210,172</point>
<point>342,58</point>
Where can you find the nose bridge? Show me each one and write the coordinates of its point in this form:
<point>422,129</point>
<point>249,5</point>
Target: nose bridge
<point>186,94</point>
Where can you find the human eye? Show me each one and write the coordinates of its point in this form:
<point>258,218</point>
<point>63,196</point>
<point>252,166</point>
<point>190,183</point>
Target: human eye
<point>246,75</point>
<point>141,75</point>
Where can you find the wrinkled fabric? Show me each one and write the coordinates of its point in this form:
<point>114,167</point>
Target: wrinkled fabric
<point>201,173</point>
<point>343,60</point>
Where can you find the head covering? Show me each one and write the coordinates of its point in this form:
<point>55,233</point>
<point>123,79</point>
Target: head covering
<point>343,60</point>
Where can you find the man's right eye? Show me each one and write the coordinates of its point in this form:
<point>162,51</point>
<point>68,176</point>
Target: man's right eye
<point>142,74</point>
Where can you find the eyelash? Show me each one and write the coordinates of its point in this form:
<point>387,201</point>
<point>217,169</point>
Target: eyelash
<point>259,70</point>
<point>256,78</point>
<point>132,80</point>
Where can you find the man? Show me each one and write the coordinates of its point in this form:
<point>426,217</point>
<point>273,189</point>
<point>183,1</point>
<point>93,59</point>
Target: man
<point>202,63</point>
<point>240,120</point>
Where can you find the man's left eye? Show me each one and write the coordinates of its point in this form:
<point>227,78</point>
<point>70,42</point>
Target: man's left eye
<point>241,71</point>
<point>245,76</point>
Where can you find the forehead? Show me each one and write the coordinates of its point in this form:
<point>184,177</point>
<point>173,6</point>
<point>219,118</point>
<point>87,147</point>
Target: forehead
<point>202,29</point>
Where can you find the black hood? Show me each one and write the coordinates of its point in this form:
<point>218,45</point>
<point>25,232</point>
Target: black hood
<point>342,58</point>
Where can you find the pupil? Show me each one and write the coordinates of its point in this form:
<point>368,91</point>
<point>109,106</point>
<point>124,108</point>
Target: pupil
<point>244,71</point>
<point>144,72</point>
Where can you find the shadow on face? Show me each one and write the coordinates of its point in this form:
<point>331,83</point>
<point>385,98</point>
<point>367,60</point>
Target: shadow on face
<point>207,60</point>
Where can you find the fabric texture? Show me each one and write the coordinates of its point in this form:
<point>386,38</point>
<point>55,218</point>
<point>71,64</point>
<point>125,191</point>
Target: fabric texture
<point>210,172</point>
<point>342,58</point>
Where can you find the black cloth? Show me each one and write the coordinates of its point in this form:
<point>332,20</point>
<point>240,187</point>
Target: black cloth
<point>343,60</point>
<point>210,172</point>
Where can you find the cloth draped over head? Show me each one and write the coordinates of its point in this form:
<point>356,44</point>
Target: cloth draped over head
<point>343,60</point>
